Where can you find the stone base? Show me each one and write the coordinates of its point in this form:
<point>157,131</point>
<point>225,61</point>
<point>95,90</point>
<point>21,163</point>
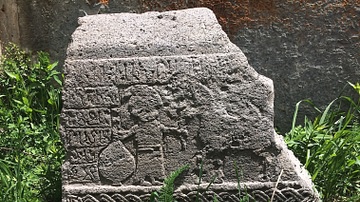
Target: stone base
<point>256,191</point>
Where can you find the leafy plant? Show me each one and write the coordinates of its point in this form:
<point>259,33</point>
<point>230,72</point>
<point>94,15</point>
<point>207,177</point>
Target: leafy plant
<point>30,148</point>
<point>238,177</point>
<point>167,190</point>
<point>329,147</point>
<point>199,183</point>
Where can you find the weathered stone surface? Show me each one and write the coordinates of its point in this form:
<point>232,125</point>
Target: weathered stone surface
<point>310,49</point>
<point>9,27</point>
<point>146,94</point>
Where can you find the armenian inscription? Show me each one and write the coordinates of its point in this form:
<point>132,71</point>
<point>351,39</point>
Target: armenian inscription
<point>156,97</point>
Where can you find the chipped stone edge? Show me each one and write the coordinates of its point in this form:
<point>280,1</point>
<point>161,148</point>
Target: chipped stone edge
<point>299,169</point>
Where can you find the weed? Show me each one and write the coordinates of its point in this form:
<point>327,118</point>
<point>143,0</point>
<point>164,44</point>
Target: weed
<point>276,185</point>
<point>329,147</point>
<point>167,190</point>
<point>199,182</point>
<point>238,177</point>
<point>31,150</point>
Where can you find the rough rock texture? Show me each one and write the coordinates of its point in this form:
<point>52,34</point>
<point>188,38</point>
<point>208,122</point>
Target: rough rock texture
<point>308,48</point>
<point>146,94</point>
<point>9,27</point>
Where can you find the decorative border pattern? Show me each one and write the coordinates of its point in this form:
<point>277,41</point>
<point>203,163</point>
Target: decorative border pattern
<point>261,193</point>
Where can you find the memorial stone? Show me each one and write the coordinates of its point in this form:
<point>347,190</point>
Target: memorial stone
<point>145,94</point>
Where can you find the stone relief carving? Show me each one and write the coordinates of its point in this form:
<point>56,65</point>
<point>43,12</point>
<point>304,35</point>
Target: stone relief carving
<point>146,107</point>
<point>145,136</point>
<point>116,163</point>
<point>262,194</point>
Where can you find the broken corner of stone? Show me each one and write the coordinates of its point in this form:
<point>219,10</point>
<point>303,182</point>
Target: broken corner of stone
<point>145,94</point>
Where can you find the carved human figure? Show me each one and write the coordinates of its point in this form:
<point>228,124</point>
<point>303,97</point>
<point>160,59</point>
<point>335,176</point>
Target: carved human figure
<point>149,134</point>
<point>146,165</point>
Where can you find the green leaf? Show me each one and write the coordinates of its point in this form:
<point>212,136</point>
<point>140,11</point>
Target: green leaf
<point>326,113</point>
<point>56,78</point>
<point>18,102</point>
<point>25,100</point>
<point>356,87</point>
<point>52,66</point>
<point>50,101</point>
<point>154,196</point>
<point>167,190</point>
<point>357,161</point>
<point>13,75</point>
<point>215,198</point>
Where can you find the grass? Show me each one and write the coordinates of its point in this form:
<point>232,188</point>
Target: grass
<point>31,152</point>
<point>166,193</point>
<point>238,177</point>
<point>329,147</point>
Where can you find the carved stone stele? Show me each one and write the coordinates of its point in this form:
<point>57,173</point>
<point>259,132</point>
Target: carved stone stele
<point>147,93</point>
